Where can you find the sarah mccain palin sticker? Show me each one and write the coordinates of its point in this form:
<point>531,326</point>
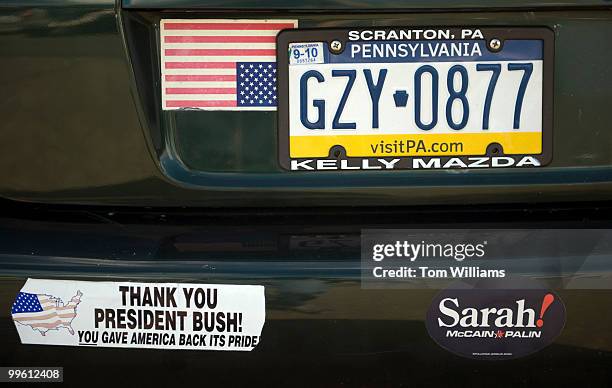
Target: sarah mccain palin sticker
<point>495,324</point>
<point>140,315</point>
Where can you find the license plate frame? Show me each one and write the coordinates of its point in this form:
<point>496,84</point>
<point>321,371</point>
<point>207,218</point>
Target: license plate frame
<point>337,158</point>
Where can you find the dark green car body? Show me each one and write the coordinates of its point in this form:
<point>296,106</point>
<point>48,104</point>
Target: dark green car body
<point>99,183</point>
<point>83,120</point>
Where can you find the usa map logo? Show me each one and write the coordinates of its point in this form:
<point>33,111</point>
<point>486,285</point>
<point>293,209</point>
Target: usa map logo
<point>43,312</point>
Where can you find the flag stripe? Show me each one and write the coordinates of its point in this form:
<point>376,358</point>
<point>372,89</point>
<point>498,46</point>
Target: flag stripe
<point>219,33</point>
<point>201,97</point>
<point>201,84</point>
<point>200,90</point>
<point>39,314</point>
<point>43,317</point>
<point>67,307</point>
<point>199,78</point>
<point>227,26</point>
<point>215,52</point>
<point>219,58</point>
<point>49,325</point>
<point>220,39</point>
<point>200,103</point>
<point>241,46</point>
<point>48,319</point>
<point>199,71</point>
<point>200,65</point>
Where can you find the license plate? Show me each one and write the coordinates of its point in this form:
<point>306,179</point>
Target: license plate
<point>414,98</point>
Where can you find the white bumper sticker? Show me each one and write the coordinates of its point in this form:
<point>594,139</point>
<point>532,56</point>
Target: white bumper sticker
<point>140,315</point>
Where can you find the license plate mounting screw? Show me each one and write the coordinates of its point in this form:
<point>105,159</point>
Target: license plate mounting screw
<point>495,44</point>
<point>335,46</point>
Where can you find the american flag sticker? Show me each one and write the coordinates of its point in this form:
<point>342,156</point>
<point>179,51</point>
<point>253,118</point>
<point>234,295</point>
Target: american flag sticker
<point>219,64</point>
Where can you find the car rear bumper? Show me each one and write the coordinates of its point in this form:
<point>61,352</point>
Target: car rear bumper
<point>321,327</point>
<point>114,145</point>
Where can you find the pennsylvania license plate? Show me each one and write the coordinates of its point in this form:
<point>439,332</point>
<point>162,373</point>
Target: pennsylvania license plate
<point>414,98</point>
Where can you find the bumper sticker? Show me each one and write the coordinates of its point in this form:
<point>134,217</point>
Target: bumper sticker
<point>140,315</point>
<point>495,324</point>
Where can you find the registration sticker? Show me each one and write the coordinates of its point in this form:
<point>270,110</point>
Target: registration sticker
<point>399,98</point>
<point>306,53</point>
<point>139,315</point>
